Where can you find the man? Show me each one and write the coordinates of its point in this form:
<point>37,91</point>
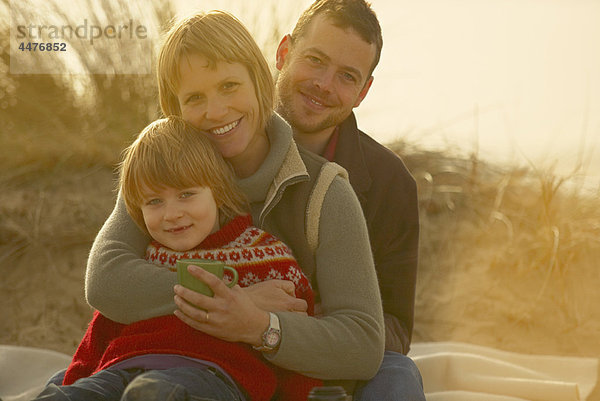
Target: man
<point>326,68</point>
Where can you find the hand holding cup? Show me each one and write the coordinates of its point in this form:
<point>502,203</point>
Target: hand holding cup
<point>216,267</point>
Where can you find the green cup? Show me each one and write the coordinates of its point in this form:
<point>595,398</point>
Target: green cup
<point>212,266</point>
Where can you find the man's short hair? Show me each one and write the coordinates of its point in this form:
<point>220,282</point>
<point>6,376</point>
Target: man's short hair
<point>346,14</point>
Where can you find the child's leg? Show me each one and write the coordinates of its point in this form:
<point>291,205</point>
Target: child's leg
<point>179,384</point>
<point>57,378</point>
<point>106,385</point>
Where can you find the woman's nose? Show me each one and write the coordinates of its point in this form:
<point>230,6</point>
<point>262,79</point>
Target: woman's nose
<point>216,109</point>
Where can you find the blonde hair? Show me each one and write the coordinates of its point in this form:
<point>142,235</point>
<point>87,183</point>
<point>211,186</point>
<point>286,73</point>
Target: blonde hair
<point>170,152</point>
<point>219,37</point>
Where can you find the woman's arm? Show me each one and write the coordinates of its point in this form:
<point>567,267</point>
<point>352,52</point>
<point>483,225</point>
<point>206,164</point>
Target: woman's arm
<point>348,341</point>
<point>119,282</point>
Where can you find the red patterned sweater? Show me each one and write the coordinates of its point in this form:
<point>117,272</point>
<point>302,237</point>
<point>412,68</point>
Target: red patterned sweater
<point>257,256</point>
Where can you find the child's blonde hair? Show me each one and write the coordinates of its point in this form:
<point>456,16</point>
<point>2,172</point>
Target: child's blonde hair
<point>219,37</point>
<point>170,152</point>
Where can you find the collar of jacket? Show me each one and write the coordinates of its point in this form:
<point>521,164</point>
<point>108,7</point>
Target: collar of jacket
<point>349,154</point>
<point>292,169</point>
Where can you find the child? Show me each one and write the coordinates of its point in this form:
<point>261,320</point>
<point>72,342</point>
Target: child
<point>178,188</point>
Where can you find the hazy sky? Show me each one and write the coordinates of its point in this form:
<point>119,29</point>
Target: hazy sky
<point>520,79</point>
<point>530,67</point>
<point>516,80</point>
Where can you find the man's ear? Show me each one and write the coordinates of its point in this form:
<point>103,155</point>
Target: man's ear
<point>363,92</point>
<point>282,51</point>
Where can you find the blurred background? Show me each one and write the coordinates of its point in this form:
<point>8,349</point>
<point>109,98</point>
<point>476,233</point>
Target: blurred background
<point>512,81</point>
<point>493,105</point>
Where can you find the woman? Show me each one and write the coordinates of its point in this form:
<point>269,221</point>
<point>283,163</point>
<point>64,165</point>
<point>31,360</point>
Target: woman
<point>212,73</point>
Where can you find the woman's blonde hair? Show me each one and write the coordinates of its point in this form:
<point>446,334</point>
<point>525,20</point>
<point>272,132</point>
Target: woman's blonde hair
<point>219,37</point>
<point>170,152</point>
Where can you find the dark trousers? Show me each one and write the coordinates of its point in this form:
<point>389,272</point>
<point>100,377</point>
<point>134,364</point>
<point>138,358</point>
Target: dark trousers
<point>398,379</point>
<point>176,384</point>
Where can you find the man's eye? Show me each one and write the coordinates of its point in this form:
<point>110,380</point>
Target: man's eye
<point>314,60</point>
<point>348,77</point>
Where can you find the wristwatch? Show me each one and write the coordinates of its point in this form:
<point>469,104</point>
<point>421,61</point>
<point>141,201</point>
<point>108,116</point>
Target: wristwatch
<point>272,335</point>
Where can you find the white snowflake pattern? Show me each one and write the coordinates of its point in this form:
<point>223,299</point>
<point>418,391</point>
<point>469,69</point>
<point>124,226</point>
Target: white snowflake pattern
<point>294,275</point>
<point>274,275</point>
<point>249,279</point>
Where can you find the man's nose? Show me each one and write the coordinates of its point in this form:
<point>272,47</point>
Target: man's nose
<point>324,79</point>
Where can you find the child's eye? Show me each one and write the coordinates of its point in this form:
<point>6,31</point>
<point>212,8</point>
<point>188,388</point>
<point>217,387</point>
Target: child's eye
<point>186,194</point>
<point>153,202</point>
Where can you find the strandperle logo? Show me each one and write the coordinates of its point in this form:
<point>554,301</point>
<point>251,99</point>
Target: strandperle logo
<point>84,31</point>
<point>81,37</point>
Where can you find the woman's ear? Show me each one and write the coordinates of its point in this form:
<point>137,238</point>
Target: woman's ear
<point>283,50</point>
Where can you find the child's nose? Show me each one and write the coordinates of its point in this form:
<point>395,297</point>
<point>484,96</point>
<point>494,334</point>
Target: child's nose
<point>172,212</point>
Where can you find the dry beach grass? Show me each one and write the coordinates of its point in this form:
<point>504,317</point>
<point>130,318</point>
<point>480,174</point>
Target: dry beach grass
<point>501,265</point>
<point>508,255</point>
<point>508,258</point>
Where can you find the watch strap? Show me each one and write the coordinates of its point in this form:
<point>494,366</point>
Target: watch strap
<point>271,338</point>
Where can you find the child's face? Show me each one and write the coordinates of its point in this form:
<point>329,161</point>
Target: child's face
<point>180,218</point>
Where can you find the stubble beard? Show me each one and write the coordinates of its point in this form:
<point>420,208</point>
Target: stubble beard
<point>300,125</point>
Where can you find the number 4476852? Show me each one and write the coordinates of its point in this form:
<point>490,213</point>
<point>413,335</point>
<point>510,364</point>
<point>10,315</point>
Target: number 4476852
<point>43,47</point>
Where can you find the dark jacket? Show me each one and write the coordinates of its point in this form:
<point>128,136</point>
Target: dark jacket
<point>388,195</point>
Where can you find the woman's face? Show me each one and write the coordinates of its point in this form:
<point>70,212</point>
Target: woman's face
<point>221,102</point>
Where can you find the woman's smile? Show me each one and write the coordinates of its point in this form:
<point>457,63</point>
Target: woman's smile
<point>225,129</point>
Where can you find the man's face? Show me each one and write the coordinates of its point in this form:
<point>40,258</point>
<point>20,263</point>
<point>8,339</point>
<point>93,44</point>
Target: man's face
<point>323,76</point>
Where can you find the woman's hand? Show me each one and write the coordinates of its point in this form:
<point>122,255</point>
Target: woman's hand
<point>276,296</point>
<point>230,315</point>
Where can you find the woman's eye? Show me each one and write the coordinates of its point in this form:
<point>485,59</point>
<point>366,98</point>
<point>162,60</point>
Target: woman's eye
<point>192,99</point>
<point>314,60</point>
<point>228,86</point>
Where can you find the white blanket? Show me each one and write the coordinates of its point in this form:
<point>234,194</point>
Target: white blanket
<point>451,372</point>
<point>24,371</point>
<point>463,372</point>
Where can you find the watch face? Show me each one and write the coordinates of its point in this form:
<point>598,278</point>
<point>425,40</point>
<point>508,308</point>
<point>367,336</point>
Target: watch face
<point>272,338</point>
